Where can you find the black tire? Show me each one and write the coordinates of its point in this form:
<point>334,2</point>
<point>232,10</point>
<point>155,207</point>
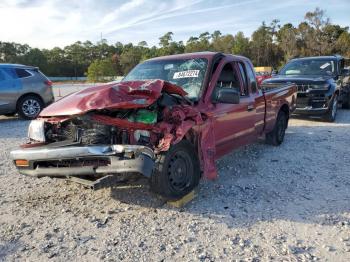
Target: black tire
<point>177,171</point>
<point>29,107</point>
<point>332,114</point>
<point>276,136</point>
<point>346,104</point>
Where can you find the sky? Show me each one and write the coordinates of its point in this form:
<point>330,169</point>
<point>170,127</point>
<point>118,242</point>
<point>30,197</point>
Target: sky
<point>50,23</point>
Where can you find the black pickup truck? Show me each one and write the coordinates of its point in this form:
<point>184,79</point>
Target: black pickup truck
<point>323,83</point>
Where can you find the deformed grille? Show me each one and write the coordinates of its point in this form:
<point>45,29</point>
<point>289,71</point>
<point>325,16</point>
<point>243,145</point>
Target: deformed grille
<point>302,88</point>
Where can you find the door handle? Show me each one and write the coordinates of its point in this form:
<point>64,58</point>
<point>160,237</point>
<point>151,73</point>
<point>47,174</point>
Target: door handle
<point>250,108</point>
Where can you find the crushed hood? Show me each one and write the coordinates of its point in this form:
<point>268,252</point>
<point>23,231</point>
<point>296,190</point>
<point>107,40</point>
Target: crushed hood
<point>124,95</point>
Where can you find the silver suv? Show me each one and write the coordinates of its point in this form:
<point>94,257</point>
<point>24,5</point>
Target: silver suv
<point>23,90</point>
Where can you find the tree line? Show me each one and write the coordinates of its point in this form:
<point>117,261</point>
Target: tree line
<point>270,45</point>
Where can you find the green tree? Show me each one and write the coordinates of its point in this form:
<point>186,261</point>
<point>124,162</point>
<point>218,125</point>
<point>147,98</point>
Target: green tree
<point>223,43</point>
<point>343,44</point>
<point>100,69</point>
<point>241,45</point>
<point>287,41</point>
<point>130,58</point>
<point>35,57</point>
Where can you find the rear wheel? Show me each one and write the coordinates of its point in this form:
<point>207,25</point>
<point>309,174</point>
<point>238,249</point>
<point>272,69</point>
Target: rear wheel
<point>331,115</point>
<point>29,107</point>
<point>177,171</point>
<point>276,136</point>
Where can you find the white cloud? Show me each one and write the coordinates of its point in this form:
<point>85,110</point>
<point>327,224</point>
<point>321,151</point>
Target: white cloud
<point>57,23</point>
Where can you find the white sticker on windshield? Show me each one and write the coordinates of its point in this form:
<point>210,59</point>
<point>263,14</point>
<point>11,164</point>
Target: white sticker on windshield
<point>325,65</point>
<point>186,74</point>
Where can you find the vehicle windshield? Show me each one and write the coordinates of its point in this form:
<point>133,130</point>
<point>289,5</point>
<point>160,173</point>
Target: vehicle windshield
<point>322,67</point>
<point>187,73</point>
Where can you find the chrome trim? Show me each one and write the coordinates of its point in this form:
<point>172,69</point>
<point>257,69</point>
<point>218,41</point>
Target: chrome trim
<point>68,152</point>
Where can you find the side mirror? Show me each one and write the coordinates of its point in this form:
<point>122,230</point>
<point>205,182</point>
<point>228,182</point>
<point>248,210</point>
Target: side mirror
<point>227,96</point>
<point>345,72</point>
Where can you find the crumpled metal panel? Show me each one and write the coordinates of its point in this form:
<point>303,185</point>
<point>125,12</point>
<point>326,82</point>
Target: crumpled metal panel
<point>176,123</point>
<point>124,95</point>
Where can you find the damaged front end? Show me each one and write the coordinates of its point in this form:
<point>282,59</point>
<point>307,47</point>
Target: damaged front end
<point>108,131</point>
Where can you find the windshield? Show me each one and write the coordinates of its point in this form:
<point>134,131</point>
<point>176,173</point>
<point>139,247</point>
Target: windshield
<point>309,67</point>
<point>187,73</point>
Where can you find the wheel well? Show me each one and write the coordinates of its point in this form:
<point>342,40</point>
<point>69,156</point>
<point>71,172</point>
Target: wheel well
<point>28,94</point>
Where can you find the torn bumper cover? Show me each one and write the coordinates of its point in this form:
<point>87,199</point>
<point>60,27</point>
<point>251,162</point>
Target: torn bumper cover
<point>85,160</point>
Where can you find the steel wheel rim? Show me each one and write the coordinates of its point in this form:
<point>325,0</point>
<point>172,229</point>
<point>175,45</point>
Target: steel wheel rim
<point>180,171</point>
<point>31,107</point>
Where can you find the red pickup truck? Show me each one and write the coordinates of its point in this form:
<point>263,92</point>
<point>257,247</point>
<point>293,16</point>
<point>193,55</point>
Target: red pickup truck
<point>168,120</point>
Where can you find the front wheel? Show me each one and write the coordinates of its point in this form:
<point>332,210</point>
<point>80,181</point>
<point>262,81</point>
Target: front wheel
<point>177,171</point>
<point>276,136</point>
<point>331,115</point>
<point>29,107</point>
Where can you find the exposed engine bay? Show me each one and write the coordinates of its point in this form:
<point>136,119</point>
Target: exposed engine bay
<point>116,126</point>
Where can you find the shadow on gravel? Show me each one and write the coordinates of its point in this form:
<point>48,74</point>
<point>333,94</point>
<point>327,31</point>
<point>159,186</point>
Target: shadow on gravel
<point>12,127</point>
<point>340,118</point>
<point>138,194</point>
<point>8,248</point>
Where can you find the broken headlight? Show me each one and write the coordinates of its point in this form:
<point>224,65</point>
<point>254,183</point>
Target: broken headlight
<point>36,130</point>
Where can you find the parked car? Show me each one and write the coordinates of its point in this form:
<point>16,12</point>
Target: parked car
<point>169,119</point>
<point>322,84</point>
<point>261,76</point>
<point>23,90</point>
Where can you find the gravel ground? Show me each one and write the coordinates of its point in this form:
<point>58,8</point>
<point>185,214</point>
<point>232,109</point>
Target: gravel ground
<point>287,203</point>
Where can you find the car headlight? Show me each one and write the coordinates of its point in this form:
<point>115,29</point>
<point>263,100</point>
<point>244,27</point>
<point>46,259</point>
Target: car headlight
<point>320,87</point>
<point>36,130</point>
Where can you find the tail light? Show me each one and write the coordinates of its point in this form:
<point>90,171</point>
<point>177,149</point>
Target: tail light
<point>48,82</point>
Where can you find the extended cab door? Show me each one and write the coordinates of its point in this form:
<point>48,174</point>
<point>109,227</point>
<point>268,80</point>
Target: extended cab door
<point>234,124</point>
<point>258,97</point>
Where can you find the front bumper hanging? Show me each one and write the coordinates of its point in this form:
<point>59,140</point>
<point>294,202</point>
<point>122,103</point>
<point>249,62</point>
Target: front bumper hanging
<point>121,159</point>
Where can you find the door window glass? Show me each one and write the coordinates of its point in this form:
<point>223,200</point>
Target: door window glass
<point>244,79</point>
<point>228,78</point>
<point>252,78</point>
